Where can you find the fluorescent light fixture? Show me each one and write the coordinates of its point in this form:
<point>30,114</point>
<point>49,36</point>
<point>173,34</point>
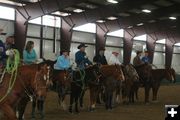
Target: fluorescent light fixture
<point>172,18</point>
<point>130,27</point>
<point>112,18</point>
<point>162,41</point>
<point>11,3</point>
<point>61,13</point>
<point>78,10</point>
<point>141,37</point>
<point>112,1</point>
<point>177,44</point>
<point>118,33</point>
<point>100,21</point>
<point>146,11</point>
<point>140,24</point>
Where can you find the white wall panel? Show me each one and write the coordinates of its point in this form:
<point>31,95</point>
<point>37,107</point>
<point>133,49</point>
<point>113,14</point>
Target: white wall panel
<point>8,27</point>
<point>48,32</point>
<point>176,62</point>
<point>159,47</point>
<point>83,37</point>
<point>176,49</point>
<point>114,41</point>
<point>33,30</point>
<point>48,50</point>
<point>159,59</point>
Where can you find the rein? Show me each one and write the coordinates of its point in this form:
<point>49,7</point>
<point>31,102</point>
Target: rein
<point>11,68</point>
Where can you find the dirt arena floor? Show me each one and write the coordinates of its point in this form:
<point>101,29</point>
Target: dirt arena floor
<point>168,94</point>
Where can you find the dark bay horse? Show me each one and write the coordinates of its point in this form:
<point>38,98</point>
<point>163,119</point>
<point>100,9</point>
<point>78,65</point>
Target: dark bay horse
<point>111,78</point>
<point>81,80</point>
<point>157,76</point>
<point>130,85</point>
<point>27,81</point>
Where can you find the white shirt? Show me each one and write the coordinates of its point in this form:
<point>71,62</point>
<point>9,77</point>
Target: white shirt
<point>114,60</point>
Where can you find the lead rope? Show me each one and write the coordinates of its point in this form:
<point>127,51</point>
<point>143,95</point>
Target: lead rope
<point>11,68</point>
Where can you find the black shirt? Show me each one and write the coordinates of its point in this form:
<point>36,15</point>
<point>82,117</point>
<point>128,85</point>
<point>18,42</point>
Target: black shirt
<point>100,59</point>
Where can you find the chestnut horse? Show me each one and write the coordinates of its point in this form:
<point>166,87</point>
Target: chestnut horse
<point>29,80</point>
<point>157,76</point>
<point>111,78</point>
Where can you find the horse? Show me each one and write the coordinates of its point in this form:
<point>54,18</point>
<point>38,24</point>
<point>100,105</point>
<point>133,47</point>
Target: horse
<point>111,78</point>
<point>130,84</point>
<point>144,72</point>
<point>27,80</point>
<point>81,79</point>
<point>157,76</point>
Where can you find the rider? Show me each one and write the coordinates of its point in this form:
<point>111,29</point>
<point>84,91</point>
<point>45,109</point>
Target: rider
<point>29,54</point>
<point>100,58</point>
<point>146,59</point>
<point>81,59</point>
<point>63,61</point>
<point>137,60</point>
<point>114,59</point>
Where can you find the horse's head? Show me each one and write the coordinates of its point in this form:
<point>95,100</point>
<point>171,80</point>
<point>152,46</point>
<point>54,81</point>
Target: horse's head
<point>131,72</point>
<point>93,72</point>
<point>170,74</point>
<point>42,81</point>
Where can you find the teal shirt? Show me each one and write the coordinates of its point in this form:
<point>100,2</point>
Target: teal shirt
<point>62,63</point>
<point>29,58</point>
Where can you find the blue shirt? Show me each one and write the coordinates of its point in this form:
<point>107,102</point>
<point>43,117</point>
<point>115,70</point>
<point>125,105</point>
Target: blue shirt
<point>145,59</point>
<point>81,60</point>
<point>62,63</point>
<point>2,53</point>
<point>29,57</point>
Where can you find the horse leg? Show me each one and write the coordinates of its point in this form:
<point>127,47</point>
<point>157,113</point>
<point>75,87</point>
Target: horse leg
<point>81,98</point>
<point>22,106</point>
<point>72,96</point>
<point>9,112</point>
<point>111,100</point>
<point>155,91</point>
<point>76,102</point>
<point>147,89</point>
<point>40,106</point>
<point>92,99</point>
<point>33,108</point>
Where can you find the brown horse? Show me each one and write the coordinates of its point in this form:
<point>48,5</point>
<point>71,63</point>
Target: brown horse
<point>28,81</point>
<point>130,84</point>
<point>157,76</point>
<point>110,74</point>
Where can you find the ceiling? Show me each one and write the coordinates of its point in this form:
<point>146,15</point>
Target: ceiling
<point>128,13</point>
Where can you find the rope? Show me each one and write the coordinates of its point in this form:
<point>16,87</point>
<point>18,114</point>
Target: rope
<point>11,68</point>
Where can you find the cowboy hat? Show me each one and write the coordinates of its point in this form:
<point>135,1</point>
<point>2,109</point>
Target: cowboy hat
<point>102,48</point>
<point>81,45</point>
<point>115,53</point>
<point>65,50</point>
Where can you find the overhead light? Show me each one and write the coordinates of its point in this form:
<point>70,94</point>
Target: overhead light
<point>140,24</point>
<point>146,11</point>
<point>130,27</point>
<point>100,21</point>
<point>112,1</point>
<point>112,18</point>
<point>61,13</point>
<point>172,18</point>
<point>78,10</point>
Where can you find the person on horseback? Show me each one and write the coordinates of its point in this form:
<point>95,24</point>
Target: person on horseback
<point>137,60</point>
<point>81,58</point>
<point>114,59</point>
<point>100,58</point>
<point>29,54</point>
<point>146,59</point>
<point>63,61</point>
<point>9,44</point>
<point>2,54</point>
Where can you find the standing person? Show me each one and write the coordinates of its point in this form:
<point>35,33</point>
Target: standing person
<point>114,59</point>
<point>29,54</point>
<point>63,61</point>
<point>100,58</point>
<point>146,59</point>
<point>81,59</point>
<point>137,59</point>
